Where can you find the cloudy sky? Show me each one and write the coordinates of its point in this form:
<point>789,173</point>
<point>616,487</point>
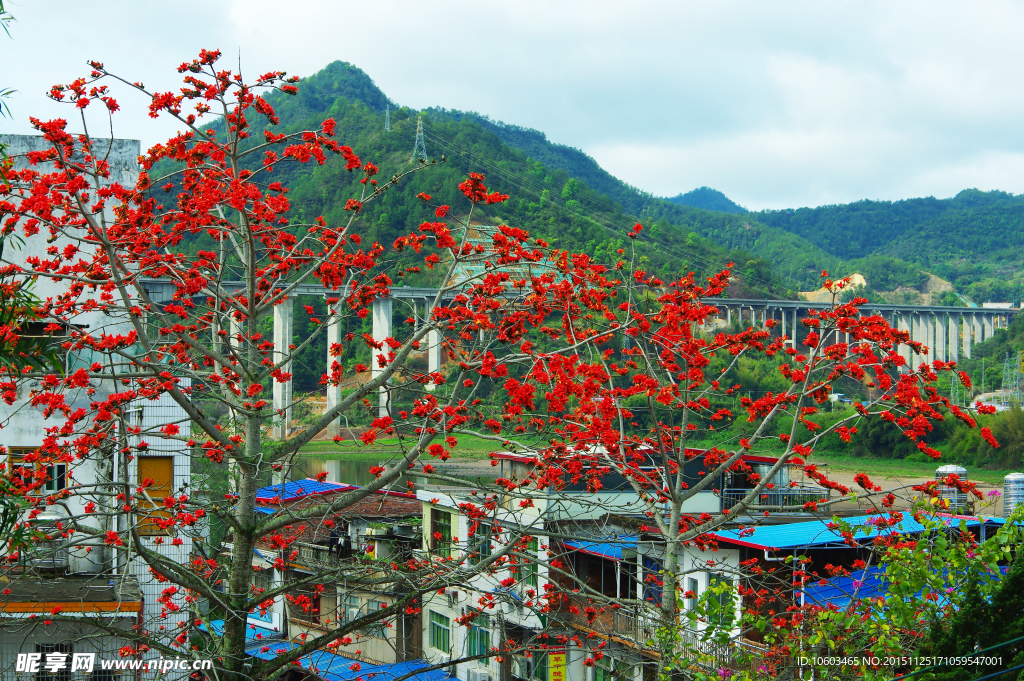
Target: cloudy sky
<point>777,104</point>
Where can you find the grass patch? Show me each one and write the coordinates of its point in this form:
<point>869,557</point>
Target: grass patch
<point>470,447</point>
<point>877,466</point>
<point>901,467</point>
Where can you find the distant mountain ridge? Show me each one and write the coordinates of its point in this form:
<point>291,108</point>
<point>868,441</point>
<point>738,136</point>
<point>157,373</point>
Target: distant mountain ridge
<point>564,195</point>
<point>974,239</point>
<point>708,199</point>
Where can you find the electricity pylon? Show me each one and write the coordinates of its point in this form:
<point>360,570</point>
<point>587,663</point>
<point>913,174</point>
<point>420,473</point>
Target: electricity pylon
<point>419,152</point>
<point>387,118</point>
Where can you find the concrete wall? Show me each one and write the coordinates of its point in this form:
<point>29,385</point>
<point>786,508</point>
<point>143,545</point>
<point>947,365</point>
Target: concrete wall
<point>24,424</point>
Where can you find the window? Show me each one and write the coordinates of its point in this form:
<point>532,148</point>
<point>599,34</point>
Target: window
<point>481,547</point>
<point>21,473</point>
<point>159,469</point>
<point>540,665</point>
<point>56,477</point>
<point>692,586</point>
<point>348,609</point>
<point>653,583</point>
<point>724,598</point>
<point>56,655</point>
<point>441,533</point>
<point>378,628</point>
<point>609,669</point>
<point>29,473</point>
<point>530,568</point>
<point>479,641</point>
<point>440,632</point>
<point>329,604</point>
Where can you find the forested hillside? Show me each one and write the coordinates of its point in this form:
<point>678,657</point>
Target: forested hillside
<point>562,195</point>
<point>974,239</point>
<point>552,188</point>
<point>547,200</point>
<point>708,199</point>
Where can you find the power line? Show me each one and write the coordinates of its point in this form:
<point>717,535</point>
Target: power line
<point>531,188</point>
<point>528,187</point>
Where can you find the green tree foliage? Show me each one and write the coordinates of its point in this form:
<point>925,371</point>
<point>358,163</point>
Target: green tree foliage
<point>983,621</point>
<point>973,239</point>
<point>551,202</point>
<point>708,199</point>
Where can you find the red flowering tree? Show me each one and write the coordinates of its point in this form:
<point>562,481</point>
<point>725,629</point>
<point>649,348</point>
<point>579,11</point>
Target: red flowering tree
<point>611,368</point>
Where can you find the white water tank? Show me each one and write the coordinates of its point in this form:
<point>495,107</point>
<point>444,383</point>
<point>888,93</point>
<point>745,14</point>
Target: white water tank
<point>950,469</point>
<point>49,554</point>
<point>1013,493</point>
<point>957,499</point>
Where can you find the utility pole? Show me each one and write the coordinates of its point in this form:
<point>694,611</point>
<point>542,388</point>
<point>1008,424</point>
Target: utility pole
<point>419,151</point>
<point>387,117</point>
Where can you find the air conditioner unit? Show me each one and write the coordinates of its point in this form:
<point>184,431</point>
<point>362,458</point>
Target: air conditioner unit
<point>453,598</point>
<point>479,675</point>
<point>351,614</point>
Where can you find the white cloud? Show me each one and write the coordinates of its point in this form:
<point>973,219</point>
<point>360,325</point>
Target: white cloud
<point>777,104</point>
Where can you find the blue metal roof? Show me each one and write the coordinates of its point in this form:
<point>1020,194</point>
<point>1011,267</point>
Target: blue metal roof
<point>253,633</point>
<point>612,550</point>
<point>333,667</point>
<point>817,532</point>
<point>866,583</point>
<point>296,489</point>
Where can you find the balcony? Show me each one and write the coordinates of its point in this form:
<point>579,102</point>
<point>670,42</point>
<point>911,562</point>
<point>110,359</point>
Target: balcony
<point>315,555</point>
<point>635,626</point>
<point>638,626</point>
<point>788,496</point>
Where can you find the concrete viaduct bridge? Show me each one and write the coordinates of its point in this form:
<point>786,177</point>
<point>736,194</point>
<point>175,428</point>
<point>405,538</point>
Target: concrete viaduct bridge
<point>947,331</point>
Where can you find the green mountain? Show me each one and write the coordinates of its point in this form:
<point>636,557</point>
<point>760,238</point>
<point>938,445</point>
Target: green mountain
<point>708,199</point>
<point>975,239</point>
<point>546,198</point>
<point>558,193</point>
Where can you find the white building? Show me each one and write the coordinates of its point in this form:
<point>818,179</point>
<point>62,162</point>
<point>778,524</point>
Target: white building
<point>84,561</point>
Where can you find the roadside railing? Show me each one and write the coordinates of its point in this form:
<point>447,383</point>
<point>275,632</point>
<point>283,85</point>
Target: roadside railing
<point>787,496</point>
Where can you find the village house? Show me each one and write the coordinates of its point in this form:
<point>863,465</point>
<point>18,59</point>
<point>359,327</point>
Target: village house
<point>346,550</point>
<point>79,573</point>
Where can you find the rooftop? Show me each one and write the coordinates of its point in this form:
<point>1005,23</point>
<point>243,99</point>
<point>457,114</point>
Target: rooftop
<point>817,533</point>
<point>301,489</point>
<point>77,594</point>
<point>333,667</point>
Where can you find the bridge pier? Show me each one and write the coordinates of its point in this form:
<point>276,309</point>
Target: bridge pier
<point>965,333</point>
<point>921,336</point>
<point>382,313</point>
<point>930,333</point>
<point>940,338</point>
<point>903,324</point>
<point>954,339</point>
<point>333,391</point>
<point>282,391</point>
